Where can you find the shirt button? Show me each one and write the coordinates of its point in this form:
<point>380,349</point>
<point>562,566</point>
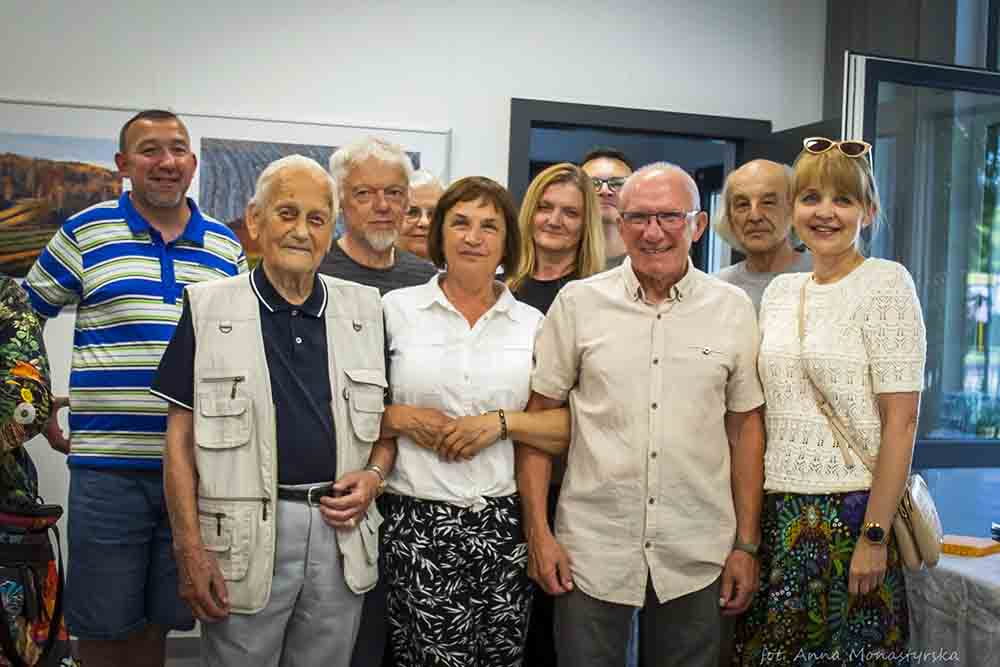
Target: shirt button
<point>653,455</point>
<point>298,340</point>
<point>659,317</point>
<point>652,501</point>
<point>649,545</point>
<point>295,313</point>
<point>656,360</point>
<point>654,406</point>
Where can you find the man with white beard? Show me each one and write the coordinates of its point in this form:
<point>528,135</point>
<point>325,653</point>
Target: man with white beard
<point>373,178</point>
<point>374,181</point>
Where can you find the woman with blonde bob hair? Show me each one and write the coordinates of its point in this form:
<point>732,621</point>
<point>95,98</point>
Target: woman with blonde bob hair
<point>561,235</point>
<point>851,333</point>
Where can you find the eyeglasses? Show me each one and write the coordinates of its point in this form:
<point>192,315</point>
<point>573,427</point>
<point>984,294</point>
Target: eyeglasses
<point>614,183</point>
<point>672,220</point>
<point>415,212</point>
<point>394,194</point>
<point>850,147</point>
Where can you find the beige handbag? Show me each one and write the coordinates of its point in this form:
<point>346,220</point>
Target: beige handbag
<point>916,525</point>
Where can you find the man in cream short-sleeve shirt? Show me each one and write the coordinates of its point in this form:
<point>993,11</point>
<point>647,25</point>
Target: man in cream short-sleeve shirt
<point>660,507</point>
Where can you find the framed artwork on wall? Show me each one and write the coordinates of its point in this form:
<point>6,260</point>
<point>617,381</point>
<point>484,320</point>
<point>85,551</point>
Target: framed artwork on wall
<point>57,159</point>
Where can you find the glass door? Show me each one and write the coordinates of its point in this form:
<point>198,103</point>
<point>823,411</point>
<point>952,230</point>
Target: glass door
<point>936,135</point>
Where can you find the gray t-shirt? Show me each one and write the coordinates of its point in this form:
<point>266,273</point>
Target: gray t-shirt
<point>754,283</point>
<point>407,271</point>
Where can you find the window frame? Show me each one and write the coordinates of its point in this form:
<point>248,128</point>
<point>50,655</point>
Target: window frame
<point>870,71</point>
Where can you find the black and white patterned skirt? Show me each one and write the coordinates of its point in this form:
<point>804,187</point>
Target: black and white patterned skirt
<point>458,588</point>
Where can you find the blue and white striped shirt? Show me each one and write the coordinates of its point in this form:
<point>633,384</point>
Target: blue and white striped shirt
<point>127,285</point>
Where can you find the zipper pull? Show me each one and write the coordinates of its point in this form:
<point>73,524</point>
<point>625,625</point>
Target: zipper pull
<point>218,523</point>
<point>265,501</point>
<point>236,381</point>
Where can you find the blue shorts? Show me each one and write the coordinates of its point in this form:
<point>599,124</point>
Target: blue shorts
<point>121,574</point>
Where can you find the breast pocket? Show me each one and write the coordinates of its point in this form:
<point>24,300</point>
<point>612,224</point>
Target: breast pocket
<point>228,467</point>
<point>695,379</point>
<point>224,414</point>
<point>364,392</point>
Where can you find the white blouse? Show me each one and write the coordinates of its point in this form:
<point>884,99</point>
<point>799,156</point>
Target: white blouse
<point>438,361</point>
<point>864,336</point>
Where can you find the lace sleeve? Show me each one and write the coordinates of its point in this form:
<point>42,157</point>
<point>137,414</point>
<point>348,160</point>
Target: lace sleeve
<point>893,330</point>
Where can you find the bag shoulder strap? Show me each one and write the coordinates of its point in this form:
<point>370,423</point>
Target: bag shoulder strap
<point>840,433</point>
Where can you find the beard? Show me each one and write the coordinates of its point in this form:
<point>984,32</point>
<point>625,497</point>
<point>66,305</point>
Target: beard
<point>381,240</point>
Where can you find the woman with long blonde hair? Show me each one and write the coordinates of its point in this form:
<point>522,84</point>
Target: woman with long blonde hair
<point>561,235</point>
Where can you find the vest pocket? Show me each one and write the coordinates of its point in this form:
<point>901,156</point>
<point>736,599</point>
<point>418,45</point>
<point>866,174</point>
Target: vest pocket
<point>226,532</point>
<point>359,547</point>
<point>222,421</point>
<point>365,395</point>
<point>369,529</point>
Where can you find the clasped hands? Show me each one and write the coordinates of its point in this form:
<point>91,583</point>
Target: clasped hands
<point>453,439</point>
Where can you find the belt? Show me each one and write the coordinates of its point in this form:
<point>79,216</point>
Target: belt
<point>309,495</point>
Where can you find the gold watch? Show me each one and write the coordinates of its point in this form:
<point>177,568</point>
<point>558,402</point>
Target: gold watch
<point>875,533</point>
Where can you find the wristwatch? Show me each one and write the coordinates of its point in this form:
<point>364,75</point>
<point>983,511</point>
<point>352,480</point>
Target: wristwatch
<point>377,469</point>
<point>875,533</point>
<point>749,547</point>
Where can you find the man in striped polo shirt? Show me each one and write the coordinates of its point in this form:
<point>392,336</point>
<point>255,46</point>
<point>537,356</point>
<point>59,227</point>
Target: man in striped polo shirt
<point>124,264</point>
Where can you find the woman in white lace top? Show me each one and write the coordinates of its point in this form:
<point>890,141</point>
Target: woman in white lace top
<point>832,588</point>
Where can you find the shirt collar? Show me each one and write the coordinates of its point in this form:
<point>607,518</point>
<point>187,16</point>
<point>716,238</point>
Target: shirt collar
<point>681,290</point>
<point>314,306</point>
<point>194,230</point>
<point>430,293</point>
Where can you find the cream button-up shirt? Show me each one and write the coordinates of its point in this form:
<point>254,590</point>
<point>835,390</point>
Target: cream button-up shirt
<point>647,486</point>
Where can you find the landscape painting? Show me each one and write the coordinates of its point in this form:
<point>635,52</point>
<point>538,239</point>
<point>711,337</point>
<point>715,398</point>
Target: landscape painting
<point>45,179</point>
<point>58,159</point>
<point>228,175</point>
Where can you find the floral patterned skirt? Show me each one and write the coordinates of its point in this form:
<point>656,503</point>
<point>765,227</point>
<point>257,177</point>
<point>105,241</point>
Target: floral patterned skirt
<point>802,613</point>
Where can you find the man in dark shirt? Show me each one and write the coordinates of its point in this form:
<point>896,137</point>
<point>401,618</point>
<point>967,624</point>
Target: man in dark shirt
<point>609,168</point>
<point>292,600</point>
<point>374,181</point>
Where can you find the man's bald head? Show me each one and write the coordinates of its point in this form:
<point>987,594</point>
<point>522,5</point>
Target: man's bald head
<point>757,207</point>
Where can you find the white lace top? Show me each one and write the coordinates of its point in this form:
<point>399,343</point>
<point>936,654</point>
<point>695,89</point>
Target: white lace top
<point>864,336</point>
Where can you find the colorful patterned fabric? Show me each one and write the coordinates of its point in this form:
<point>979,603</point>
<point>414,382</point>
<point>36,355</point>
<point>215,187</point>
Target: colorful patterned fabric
<point>803,613</point>
<point>29,638</point>
<point>127,284</point>
<point>25,400</point>
<point>25,403</point>
<point>459,593</point>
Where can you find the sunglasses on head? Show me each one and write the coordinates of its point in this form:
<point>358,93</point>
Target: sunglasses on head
<point>848,147</point>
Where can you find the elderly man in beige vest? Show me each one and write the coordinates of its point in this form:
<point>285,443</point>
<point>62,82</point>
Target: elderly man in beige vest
<point>660,506</point>
<point>276,384</point>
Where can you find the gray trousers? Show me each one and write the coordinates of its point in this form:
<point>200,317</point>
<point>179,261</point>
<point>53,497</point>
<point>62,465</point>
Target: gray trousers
<point>680,633</point>
<point>311,618</point>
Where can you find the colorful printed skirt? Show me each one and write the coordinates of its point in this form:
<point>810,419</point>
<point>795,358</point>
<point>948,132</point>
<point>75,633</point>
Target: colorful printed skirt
<point>802,613</point>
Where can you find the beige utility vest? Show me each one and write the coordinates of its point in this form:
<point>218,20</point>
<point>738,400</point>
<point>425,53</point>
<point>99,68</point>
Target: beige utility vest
<point>235,438</point>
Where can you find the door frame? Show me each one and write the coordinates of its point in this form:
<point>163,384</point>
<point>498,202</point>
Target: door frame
<point>526,114</point>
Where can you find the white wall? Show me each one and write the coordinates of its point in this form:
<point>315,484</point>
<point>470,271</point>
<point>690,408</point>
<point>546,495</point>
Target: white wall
<point>443,65</point>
